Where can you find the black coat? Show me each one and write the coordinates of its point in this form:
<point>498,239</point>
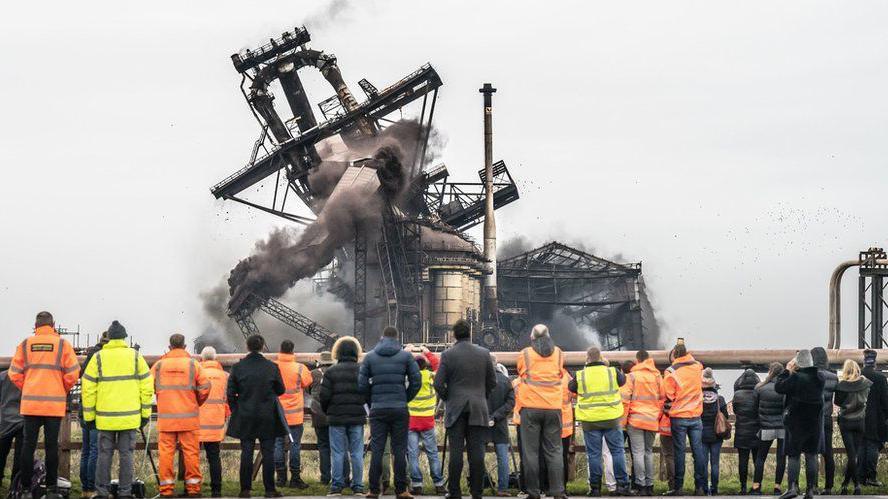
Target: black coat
<point>500,403</point>
<point>804,409</point>
<point>745,404</point>
<point>876,406</point>
<point>710,409</point>
<point>318,417</point>
<point>770,406</point>
<point>253,389</point>
<point>341,400</point>
<point>464,380</point>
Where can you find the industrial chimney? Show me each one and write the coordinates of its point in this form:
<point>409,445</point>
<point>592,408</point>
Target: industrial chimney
<point>491,307</point>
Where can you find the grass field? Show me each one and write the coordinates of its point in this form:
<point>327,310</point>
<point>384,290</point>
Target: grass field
<point>729,482</point>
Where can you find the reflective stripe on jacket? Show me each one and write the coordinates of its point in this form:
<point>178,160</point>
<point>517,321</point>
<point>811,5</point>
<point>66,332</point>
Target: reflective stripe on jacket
<point>567,409</point>
<point>181,387</point>
<point>425,401</point>
<point>598,394</point>
<point>45,368</point>
<point>296,378</point>
<point>665,425</point>
<point>683,388</point>
<point>644,388</point>
<point>214,411</point>
<point>541,377</point>
<point>116,389</point>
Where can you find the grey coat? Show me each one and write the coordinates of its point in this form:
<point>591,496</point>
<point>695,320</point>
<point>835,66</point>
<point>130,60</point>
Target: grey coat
<point>10,399</point>
<point>464,380</point>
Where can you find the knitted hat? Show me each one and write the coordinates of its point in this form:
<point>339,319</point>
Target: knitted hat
<point>708,378</point>
<point>325,359</point>
<point>804,359</point>
<point>116,331</point>
<point>869,357</point>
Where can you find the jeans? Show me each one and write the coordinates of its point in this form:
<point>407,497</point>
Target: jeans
<point>463,436</point>
<point>266,447</point>
<point>347,440</point>
<point>641,442</point>
<point>853,440</point>
<point>541,433</point>
<point>295,447</point>
<point>388,424</point>
<point>123,442</point>
<point>684,429</point>
<point>502,467</point>
<point>430,444</point>
<point>711,455</point>
<point>764,447</point>
<point>51,426</point>
<point>6,444</point>
<point>214,462</point>
<point>89,454</point>
<point>614,440</point>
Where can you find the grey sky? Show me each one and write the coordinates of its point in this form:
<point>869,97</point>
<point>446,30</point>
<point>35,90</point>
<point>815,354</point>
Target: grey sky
<point>737,149</point>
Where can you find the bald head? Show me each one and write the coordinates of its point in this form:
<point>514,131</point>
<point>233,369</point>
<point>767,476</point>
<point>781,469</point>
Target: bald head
<point>539,331</point>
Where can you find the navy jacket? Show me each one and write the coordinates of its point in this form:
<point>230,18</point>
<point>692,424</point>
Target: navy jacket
<point>382,376</point>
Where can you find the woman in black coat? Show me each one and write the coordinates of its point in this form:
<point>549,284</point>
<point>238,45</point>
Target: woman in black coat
<point>253,389</point>
<point>852,391</point>
<point>803,386</point>
<point>770,418</point>
<point>713,403</point>
<point>746,423</point>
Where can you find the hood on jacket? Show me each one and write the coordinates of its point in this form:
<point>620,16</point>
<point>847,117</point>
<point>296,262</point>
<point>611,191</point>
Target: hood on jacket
<point>821,360</point>
<point>346,348</point>
<point>387,347</point>
<point>645,365</point>
<point>544,346</point>
<point>747,381</point>
<point>857,385</point>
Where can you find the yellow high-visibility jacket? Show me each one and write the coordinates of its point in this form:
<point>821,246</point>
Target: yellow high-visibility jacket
<point>117,388</point>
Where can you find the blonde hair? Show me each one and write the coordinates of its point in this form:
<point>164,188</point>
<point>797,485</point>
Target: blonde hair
<point>850,371</point>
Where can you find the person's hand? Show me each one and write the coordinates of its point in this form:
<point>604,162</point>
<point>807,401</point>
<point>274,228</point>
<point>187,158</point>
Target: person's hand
<point>144,422</point>
<point>424,349</point>
<point>91,425</point>
<point>792,365</point>
<point>490,423</point>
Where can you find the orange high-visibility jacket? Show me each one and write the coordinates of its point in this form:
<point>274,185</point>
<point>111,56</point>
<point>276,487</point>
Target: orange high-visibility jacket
<point>181,388</point>
<point>624,394</point>
<point>567,408</point>
<point>214,411</point>
<point>516,411</point>
<point>644,388</point>
<point>45,368</point>
<point>684,388</point>
<point>296,378</point>
<point>541,377</point>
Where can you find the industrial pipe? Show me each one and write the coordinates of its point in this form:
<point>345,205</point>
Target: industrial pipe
<point>717,359</point>
<point>835,302</point>
<point>491,304</point>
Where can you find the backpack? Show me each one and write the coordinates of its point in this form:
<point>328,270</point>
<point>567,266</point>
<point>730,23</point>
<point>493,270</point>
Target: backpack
<point>36,487</point>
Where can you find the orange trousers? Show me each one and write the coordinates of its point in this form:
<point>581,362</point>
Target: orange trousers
<point>166,445</point>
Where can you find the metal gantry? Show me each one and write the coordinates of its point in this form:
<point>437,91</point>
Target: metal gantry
<point>872,306</point>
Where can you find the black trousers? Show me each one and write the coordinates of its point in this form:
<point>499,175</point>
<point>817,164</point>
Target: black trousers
<point>853,440</point>
<point>214,461</point>
<point>829,459</point>
<point>463,437</point>
<point>266,447</point>
<point>764,447</point>
<point>388,424</point>
<point>871,450</point>
<point>51,426</point>
<point>6,444</point>
<point>744,456</point>
<point>794,468</point>
<point>566,442</point>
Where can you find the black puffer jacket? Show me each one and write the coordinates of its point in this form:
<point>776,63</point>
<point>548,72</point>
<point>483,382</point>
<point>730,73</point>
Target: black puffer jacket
<point>830,380</point>
<point>804,409</point>
<point>745,404</point>
<point>340,398</point>
<point>770,406</point>
<point>712,403</point>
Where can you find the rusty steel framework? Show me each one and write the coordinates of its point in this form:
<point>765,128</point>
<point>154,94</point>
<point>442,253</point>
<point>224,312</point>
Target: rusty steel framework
<point>596,292</point>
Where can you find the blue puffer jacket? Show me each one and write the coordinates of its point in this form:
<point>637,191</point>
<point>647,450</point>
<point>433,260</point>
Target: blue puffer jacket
<point>383,372</point>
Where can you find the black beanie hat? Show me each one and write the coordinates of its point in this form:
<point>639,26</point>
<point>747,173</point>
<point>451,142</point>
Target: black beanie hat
<point>116,331</point>
<point>869,357</point>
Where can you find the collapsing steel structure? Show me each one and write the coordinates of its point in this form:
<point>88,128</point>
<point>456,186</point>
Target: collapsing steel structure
<point>418,270</point>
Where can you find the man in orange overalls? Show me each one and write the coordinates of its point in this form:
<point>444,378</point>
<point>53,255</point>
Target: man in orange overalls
<point>181,387</point>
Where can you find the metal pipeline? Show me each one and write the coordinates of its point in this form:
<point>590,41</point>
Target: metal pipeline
<point>835,302</point>
<point>717,359</point>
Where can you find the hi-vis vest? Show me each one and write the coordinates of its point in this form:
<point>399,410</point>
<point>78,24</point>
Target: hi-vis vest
<point>214,411</point>
<point>423,404</point>
<point>44,368</point>
<point>116,389</point>
<point>567,410</point>
<point>296,378</point>
<point>598,395</point>
<point>541,377</point>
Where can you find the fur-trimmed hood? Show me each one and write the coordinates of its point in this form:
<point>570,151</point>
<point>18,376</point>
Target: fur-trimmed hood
<point>346,348</point>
